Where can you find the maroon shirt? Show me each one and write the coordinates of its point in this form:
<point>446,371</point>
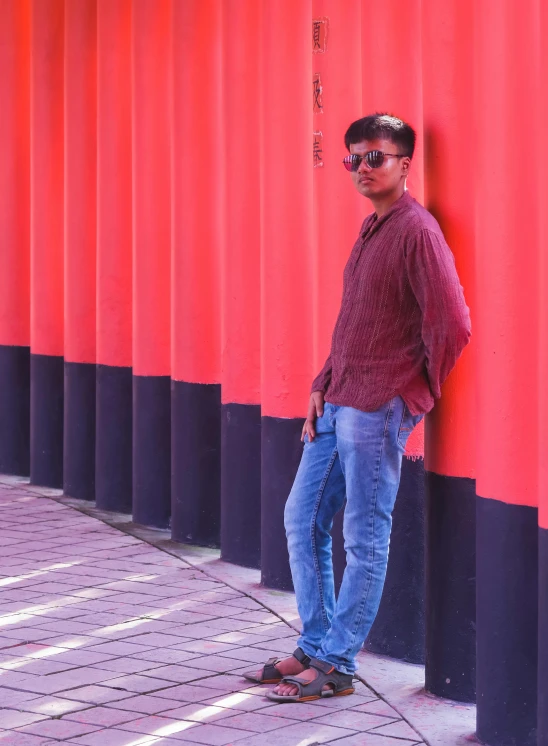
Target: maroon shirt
<point>403,321</point>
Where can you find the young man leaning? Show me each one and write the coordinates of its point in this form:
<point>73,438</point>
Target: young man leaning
<point>402,325</point>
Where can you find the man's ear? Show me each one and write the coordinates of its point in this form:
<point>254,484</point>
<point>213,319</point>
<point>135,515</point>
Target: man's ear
<point>406,165</point>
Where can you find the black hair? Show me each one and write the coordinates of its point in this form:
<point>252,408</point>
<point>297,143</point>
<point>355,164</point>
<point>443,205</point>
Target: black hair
<point>382,126</point>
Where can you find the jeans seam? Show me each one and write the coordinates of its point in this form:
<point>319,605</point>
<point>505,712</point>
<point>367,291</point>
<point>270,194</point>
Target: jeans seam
<point>313,536</point>
<point>373,512</point>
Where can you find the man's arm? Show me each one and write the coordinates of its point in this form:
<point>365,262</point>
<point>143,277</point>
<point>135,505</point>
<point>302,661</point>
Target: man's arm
<point>445,315</point>
<point>323,379</point>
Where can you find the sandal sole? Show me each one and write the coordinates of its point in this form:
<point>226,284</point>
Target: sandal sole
<point>281,698</point>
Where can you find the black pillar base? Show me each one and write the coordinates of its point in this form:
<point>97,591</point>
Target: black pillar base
<point>450,587</point>
<point>14,410</point>
<point>507,626</point>
<point>79,431</point>
<point>196,454</point>
<point>543,637</point>
<point>113,447</point>
<point>46,420</point>
<point>280,457</point>
<point>241,484</point>
<point>398,630</point>
<point>151,450</point>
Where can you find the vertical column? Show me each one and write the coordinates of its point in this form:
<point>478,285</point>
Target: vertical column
<point>240,270</point>
<point>80,240</point>
<point>151,261</point>
<point>14,236</point>
<point>46,320</point>
<point>286,264</point>
<point>450,446</point>
<point>113,448</point>
<point>392,83</point>
<point>542,708</point>
<point>507,334</point>
<point>199,151</point>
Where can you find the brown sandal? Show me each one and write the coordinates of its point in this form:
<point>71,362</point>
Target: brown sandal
<point>270,674</point>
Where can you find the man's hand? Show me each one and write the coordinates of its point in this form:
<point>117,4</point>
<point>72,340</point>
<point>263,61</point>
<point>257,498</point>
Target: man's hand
<point>315,409</point>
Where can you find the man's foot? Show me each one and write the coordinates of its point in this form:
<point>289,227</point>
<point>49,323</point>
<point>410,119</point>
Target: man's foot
<point>275,668</point>
<point>287,667</point>
<point>290,690</point>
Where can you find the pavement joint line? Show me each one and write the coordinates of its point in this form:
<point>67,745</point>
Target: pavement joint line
<point>131,529</point>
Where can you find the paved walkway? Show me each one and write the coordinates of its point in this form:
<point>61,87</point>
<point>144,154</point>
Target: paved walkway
<point>106,640</point>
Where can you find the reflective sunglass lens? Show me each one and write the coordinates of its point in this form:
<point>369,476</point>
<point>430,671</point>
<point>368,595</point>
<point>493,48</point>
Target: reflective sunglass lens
<point>374,158</point>
<point>352,162</point>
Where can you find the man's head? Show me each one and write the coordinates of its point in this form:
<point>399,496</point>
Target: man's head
<point>379,134</point>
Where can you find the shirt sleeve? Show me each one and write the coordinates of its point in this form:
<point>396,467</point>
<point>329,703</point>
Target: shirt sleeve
<point>435,283</point>
<point>323,379</point>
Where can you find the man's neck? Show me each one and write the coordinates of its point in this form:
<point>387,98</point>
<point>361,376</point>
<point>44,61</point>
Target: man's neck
<point>383,204</point>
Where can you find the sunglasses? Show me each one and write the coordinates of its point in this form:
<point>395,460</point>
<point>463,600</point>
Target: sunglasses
<point>374,159</point>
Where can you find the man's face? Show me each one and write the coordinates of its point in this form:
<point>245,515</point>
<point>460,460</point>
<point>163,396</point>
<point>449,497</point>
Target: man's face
<point>383,181</point>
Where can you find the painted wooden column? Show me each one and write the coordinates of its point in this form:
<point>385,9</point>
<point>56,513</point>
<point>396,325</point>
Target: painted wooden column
<point>286,265</point>
<point>199,151</point>
<point>392,82</point>
<point>80,78</point>
<point>447,38</point>
<point>47,228</point>
<point>15,236</point>
<point>240,289</point>
<point>507,343</point>
<point>151,33</point>
<point>113,446</point>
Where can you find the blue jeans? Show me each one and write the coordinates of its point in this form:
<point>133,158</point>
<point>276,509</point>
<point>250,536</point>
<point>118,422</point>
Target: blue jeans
<point>355,455</point>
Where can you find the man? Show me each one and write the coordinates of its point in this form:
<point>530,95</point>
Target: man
<point>402,325</point>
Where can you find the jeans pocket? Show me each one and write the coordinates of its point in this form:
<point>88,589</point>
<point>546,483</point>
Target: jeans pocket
<point>407,425</point>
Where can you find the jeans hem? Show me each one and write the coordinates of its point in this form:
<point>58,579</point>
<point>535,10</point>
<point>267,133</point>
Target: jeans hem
<point>340,669</point>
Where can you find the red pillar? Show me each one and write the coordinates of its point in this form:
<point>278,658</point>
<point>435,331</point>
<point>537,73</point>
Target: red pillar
<point>392,82</point>
<point>286,263</point>
<point>240,289</point>
<point>47,215</point>
<point>199,152</point>
<point>507,336</point>
<point>14,236</point>
<point>151,33</point>
<point>80,79</point>
<point>447,40</point>
<point>113,450</point>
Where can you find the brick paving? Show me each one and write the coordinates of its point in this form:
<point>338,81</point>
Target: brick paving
<point>106,640</point>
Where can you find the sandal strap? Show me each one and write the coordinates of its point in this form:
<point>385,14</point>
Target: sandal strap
<point>269,669</point>
<point>302,657</point>
<point>322,666</point>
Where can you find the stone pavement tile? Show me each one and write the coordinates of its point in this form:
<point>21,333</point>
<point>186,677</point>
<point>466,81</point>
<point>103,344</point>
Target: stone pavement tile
<point>354,720</point>
<point>378,707</point>
<point>301,734</point>
<point>146,704</point>
<point>12,698</point>
<point>14,738</point>
<point>213,735</point>
<point>189,692</point>
<point>70,642</point>
<point>156,639</point>
<point>199,712</point>
<point>61,682</point>
<point>97,695</point>
<point>69,626</point>
<point>27,634</point>
<point>244,655</point>
<point>333,704</point>
<point>118,647</point>
<point>244,602</point>
<point>301,711</point>
<point>257,722</point>
<point>81,657</point>
<point>264,617</point>
<point>398,729</point>
<point>224,625</point>
<point>113,737</point>
<point>104,716</point>
<point>14,719</point>
<point>167,656</point>
<point>225,683</point>
<point>155,725</point>
<point>175,674</point>
<point>52,706</point>
<point>140,684</point>
<point>369,739</point>
<point>206,647</point>
<point>42,667</point>
<point>60,729</point>
<point>243,701</point>
<point>130,665</point>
